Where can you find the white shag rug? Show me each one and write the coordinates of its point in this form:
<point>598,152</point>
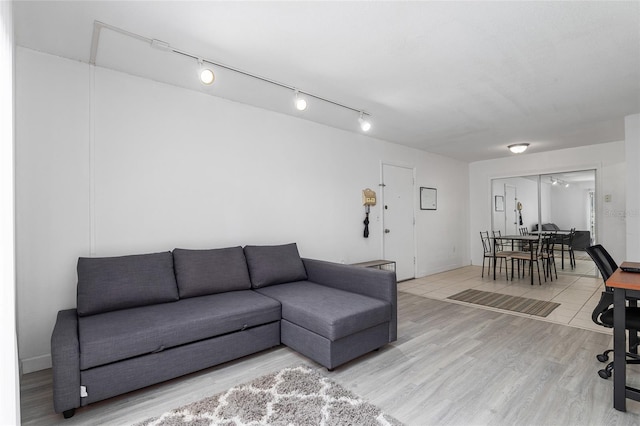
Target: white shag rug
<point>294,396</point>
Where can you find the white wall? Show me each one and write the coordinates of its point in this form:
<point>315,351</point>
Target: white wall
<point>113,164</point>
<point>9,383</point>
<point>609,161</point>
<point>632,211</point>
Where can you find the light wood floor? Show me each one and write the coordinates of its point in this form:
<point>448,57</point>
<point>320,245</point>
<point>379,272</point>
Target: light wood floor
<point>452,365</point>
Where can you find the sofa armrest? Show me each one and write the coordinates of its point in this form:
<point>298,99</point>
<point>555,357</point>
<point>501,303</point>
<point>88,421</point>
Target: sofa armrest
<point>65,359</point>
<point>376,283</point>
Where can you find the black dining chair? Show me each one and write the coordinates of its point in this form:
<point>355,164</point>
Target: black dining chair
<point>603,312</point>
<point>548,255</point>
<point>528,256</point>
<point>488,252</point>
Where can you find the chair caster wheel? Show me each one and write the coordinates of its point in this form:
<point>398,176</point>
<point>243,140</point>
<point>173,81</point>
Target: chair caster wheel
<point>604,374</point>
<point>602,357</point>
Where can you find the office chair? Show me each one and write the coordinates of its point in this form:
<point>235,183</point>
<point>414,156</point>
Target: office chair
<point>603,312</point>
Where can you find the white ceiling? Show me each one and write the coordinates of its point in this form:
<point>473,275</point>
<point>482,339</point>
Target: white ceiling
<point>461,79</point>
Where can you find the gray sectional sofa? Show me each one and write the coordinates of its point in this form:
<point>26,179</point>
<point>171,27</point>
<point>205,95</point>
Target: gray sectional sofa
<point>143,319</point>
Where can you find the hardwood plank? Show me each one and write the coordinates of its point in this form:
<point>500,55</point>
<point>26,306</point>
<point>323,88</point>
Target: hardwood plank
<point>452,364</point>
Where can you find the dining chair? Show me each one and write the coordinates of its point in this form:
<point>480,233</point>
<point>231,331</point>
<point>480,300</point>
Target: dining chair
<point>603,312</point>
<point>565,244</point>
<point>527,256</point>
<point>488,252</point>
<point>548,255</point>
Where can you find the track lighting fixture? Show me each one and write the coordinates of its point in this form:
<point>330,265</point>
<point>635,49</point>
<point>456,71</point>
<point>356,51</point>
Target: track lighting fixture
<point>207,77</point>
<point>518,148</point>
<point>556,182</point>
<point>364,124</point>
<point>301,103</point>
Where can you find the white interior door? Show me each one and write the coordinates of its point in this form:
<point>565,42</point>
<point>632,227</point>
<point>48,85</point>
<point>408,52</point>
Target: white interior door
<point>398,219</point>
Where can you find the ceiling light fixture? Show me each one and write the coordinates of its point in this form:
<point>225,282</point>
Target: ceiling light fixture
<point>301,103</point>
<point>365,125</point>
<point>207,77</point>
<point>518,148</point>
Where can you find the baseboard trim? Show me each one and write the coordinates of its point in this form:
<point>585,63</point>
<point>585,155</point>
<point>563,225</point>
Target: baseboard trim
<point>37,363</point>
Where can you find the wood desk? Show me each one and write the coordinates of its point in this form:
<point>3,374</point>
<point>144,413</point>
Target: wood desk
<point>624,284</point>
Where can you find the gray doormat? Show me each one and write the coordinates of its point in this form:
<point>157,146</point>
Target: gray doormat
<point>293,396</point>
<point>523,305</point>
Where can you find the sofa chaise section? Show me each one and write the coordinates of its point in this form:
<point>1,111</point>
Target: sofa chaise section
<point>331,313</point>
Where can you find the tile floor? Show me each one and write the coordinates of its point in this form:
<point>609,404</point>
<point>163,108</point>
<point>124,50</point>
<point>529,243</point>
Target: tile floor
<point>577,294</point>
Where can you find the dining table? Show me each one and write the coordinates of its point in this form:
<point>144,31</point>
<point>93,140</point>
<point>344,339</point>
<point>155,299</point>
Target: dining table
<point>529,239</point>
<point>625,285</point>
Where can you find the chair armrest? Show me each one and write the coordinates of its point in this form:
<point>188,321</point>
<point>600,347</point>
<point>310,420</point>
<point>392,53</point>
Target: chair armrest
<point>376,283</point>
<point>65,360</point>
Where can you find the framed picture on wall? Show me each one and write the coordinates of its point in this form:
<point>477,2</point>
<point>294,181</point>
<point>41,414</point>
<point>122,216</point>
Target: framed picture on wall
<point>428,198</point>
<point>499,203</point>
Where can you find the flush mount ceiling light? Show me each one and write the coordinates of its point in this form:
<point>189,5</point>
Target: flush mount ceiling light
<point>207,77</point>
<point>518,148</point>
<point>365,125</point>
<point>301,103</point>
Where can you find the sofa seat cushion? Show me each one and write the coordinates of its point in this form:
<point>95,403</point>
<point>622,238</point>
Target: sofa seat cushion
<point>114,336</point>
<point>327,311</point>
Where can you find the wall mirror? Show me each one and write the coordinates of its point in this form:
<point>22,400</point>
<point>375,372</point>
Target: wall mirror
<point>550,202</point>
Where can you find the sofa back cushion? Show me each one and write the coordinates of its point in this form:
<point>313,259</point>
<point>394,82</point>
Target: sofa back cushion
<point>111,283</point>
<point>270,265</point>
<point>202,272</point>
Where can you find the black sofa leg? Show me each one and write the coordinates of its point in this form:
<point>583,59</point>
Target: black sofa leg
<point>69,413</point>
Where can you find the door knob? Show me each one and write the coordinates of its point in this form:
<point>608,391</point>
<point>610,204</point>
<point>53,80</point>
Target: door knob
<point>386,231</point>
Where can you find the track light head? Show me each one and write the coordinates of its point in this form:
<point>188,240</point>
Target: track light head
<point>365,125</point>
<point>301,103</point>
<point>207,77</point>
